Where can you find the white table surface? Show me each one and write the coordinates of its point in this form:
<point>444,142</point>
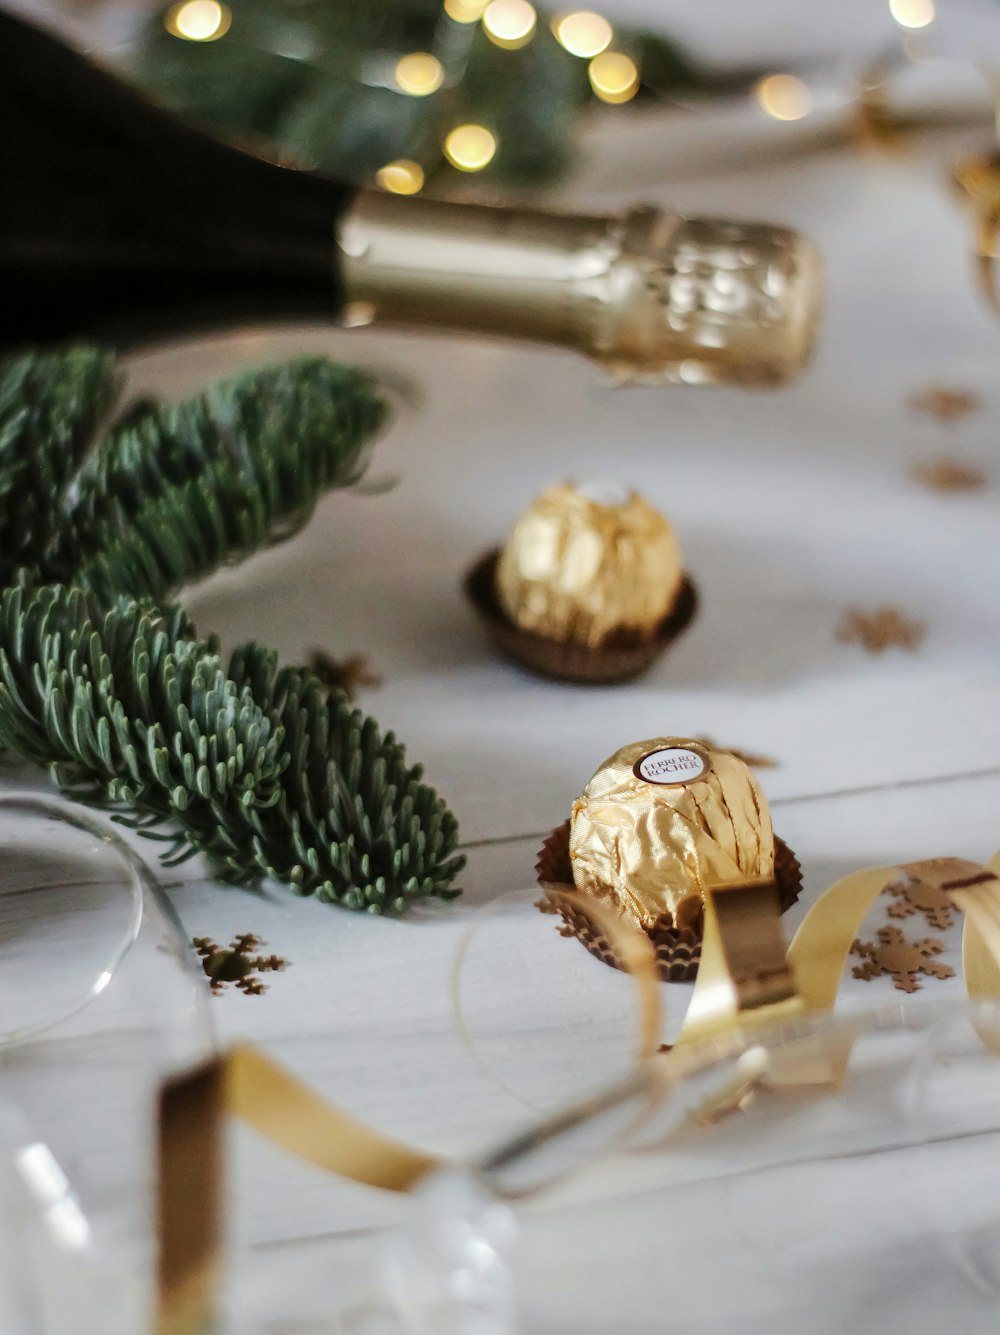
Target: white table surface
<point>790,507</point>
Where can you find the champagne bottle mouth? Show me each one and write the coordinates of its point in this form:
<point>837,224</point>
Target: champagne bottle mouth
<point>701,301</point>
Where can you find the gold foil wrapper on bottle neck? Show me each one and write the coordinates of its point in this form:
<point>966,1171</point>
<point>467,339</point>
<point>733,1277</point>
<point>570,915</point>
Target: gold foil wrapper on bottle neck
<point>651,296</point>
<point>663,820</point>
<point>584,563</point>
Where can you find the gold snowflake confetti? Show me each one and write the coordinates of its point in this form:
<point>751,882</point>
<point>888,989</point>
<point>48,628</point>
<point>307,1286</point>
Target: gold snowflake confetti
<point>343,674</point>
<point>885,628</point>
<point>913,897</point>
<point>890,953</point>
<point>236,963</point>
<point>947,405</point>
<point>948,474</point>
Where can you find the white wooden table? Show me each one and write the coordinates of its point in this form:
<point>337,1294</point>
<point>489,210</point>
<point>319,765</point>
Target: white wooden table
<point>790,508</point>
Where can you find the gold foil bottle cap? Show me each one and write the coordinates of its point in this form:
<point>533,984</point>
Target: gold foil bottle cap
<point>651,296</point>
<point>661,821</point>
<point>701,301</point>
<point>586,562</point>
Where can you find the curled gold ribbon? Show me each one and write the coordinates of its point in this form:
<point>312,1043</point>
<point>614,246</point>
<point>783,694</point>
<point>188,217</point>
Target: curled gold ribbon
<point>244,1083</point>
<point>746,977</point>
<point>744,972</point>
<point>978,179</point>
<point>247,1085</point>
<point>823,942</point>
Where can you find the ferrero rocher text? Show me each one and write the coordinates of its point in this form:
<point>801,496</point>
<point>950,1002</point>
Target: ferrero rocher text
<point>580,566</point>
<point>651,847</point>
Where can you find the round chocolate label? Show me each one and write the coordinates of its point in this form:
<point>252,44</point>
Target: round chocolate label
<point>671,765</point>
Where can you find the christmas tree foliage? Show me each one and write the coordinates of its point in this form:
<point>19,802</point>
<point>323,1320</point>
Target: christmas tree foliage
<point>262,769</point>
<point>319,82</point>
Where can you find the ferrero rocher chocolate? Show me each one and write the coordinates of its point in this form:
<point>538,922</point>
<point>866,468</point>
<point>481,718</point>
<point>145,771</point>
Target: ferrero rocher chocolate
<point>583,563</point>
<point>662,821</point>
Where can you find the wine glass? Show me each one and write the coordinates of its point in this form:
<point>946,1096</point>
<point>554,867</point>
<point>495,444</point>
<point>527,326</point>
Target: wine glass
<point>99,999</point>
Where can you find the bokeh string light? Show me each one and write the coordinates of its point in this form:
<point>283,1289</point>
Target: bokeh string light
<point>614,77</point>
<point>198,20</point>
<point>419,74</point>
<point>470,148</point>
<point>402,177</point>
<point>912,13</point>
<point>510,23</point>
<point>583,33</point>
<point>784,97</point>
<point>465,11</point>
<point>526,102</point>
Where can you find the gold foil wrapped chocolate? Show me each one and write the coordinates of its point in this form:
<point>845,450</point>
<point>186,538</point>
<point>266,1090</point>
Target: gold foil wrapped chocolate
<point>585,564</point>
<point>663,820</point>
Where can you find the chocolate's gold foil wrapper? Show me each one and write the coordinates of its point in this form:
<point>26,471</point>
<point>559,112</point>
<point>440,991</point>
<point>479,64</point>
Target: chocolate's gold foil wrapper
<point>619,658</point>
<point>650,846</point>
<point>582,565</point>
<point>677,950</point>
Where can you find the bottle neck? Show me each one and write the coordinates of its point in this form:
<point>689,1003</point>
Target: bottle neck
<point>651,296</point>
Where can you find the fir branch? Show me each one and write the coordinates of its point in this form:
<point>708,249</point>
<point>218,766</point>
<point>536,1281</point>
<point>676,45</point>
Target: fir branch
<point>50,407</point>
<point>295,76</point>
<point>355,825</point>
<point>261,770</point>
<point>129,710</point>
<point>184,488</point>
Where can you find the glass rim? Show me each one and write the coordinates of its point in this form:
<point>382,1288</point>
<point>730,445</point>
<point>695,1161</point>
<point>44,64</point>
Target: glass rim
<point>138,880</point>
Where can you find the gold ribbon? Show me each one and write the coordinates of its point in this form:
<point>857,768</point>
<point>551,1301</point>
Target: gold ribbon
<point>746,978</point>
<point>769,985</point>
<point>247,1085</point>
<point>979,180</point>
<point>744,974</point>
<point>244,1083</point>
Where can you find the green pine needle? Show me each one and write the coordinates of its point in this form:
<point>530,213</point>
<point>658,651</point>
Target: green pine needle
<point>182,489</point>
<point>51,405</point>
<point>261,769</point>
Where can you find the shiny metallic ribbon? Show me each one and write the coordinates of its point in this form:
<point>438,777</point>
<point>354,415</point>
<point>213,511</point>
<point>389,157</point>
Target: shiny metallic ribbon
<point>979,180</point>
<point>245,1084</point>
<point>746,979</point>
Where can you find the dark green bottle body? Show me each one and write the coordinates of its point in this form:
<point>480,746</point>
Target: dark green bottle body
<point>121,223</point>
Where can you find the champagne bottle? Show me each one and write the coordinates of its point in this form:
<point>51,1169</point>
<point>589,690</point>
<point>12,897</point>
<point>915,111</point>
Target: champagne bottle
<point>118,221</point>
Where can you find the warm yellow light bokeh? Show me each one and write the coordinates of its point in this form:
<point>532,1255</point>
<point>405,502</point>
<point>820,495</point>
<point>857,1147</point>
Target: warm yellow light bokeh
<point>614,77</point>
<point>198,20</point>
<point>470,148</point>
<point>401,177</point>
<point>784,97</point>
<point>419,74</point>
<point>583,33</point>
<point>465,11</point>
<point>510,23</point>
<point>912,13</point>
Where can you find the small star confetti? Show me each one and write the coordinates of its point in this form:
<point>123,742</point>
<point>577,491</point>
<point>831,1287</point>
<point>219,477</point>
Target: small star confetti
<point>343,674</point>
<point>884,628</point>
<point>948,474</point>
<point>947,405</point>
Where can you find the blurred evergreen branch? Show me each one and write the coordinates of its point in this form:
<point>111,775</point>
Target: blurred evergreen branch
<point>312,81</point>
<point>264,770</point>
